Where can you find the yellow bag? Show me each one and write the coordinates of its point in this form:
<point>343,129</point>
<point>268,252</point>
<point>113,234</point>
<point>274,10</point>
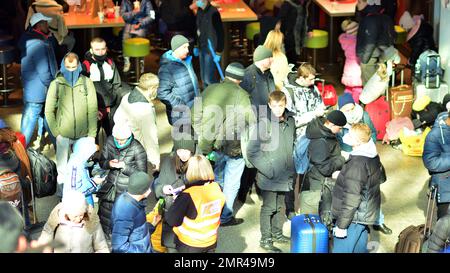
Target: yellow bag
<point>413,145</point>
<point>156,237</point>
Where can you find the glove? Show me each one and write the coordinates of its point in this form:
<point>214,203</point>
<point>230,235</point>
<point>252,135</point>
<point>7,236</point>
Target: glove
<point>195,52</point>
<point>217,58</point>
<point>339,233</point>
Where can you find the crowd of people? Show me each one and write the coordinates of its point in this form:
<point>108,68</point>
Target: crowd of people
<point>250,126</point>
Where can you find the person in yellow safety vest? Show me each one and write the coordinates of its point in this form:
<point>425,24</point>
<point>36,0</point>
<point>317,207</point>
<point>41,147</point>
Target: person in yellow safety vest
<point>195,214</point>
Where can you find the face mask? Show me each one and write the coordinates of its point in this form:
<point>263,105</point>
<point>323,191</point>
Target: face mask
<point>200,4</point>
<point>100,58</point>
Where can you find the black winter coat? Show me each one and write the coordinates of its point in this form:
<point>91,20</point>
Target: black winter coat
<point>324,154</point>
<point>258,84</point>
<point>271,154</point>
<point>375,33</point>
<point>356,195</point>
<point>135,159</point>
<point>421,41</point>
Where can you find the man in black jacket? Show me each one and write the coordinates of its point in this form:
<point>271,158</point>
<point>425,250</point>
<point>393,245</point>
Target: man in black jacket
<point>356,196</point>
<point>270,150</point>
<point>103,72</point>
<point>209,30</point>
<point>375,39</point>
<point>324,151</point>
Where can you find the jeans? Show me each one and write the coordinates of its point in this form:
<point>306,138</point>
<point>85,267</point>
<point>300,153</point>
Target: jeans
<point>271,218</point>
<point>368,69</point>
<point>355,242</point>
<point>228,172</point>
<point>207,68</point>
<point>62,156</point>
<point>32,113</point>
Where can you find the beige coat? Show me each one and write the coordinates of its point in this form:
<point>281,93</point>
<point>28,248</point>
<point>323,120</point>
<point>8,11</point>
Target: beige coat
<point>54,10</point>
<point>86,239</point>
<point>280,69</point>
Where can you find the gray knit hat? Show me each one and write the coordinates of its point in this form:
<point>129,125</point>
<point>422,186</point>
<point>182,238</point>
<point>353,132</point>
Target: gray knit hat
<point>184,141</point>
<point>177,41</point>
<point>139,183</point>
<point>235,70</point>
<point>261,53</point>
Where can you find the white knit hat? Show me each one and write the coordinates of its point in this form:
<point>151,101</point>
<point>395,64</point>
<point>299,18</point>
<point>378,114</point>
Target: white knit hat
<point>74,203</point>
<point>406,21</point>
<point>121,131</point>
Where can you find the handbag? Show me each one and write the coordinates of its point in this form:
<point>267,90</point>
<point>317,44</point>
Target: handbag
<point>107,192</point>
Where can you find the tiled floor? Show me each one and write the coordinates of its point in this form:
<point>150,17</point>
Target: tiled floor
<point>404,194</point>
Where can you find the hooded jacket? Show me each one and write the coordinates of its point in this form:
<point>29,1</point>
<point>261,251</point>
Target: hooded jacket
<point>351,75</point>
<point>421,41</point>
<point>436,157</point>
<point>302,101</point>
<point>139,113</point>
<point>88,238</point>
<point>135,159</point>
<point>178,84</point>
<point>130,229</point>
<point>324,154</point>
<point>375,34</point>
<point>80,179</point>
<point>38,65</point>
<point>106,79</point>
<point>440,236</point>
<point>234,103</point>
<point>71,105</point>
<point>356,195</point>
<point>270,151</point>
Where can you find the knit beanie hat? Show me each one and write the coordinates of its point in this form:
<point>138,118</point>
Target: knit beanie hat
<point>344,99</point>
<point>406,21</point>
<point>3,124</point>
<point>177,41</point>
<point>121,131</point>
<point>374,2</point>
<point>420,103</point>
<point>139,183</point>
<point>235,70</point>
<point>261,53</point>
<point>74,203</point>
<point>184,141</point>
<point>337,118</point>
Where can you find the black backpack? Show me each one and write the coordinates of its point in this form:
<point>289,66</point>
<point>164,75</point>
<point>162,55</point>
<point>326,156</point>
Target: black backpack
<point>44,173</point>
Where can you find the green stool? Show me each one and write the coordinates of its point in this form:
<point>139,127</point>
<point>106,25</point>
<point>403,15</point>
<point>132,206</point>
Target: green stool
<point>251,30</point>
<point>402,34</point>
<point>318,40</point>
<point>137,48</point>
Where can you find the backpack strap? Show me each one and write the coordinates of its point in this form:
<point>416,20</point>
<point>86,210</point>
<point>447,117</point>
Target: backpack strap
<point>87,65</point>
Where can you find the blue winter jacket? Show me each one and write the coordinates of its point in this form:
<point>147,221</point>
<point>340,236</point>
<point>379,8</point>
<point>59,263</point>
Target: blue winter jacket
<point>130,229</point>
<point>145,16</point>
<point>38,66</point>
<point>436,157</point>
<point>178,84</point>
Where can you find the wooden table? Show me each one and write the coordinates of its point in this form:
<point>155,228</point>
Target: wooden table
<point>83,20</point>
<point>232,12</point>
<point>335,9</point>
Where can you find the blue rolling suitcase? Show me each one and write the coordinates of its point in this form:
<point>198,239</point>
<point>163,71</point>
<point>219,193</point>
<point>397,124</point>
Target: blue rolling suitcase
<point>308,234</point>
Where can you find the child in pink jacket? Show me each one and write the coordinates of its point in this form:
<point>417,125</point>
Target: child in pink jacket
<point>351,76</point>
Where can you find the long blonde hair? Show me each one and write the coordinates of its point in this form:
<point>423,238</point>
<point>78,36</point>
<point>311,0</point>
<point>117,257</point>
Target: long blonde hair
<point>274,40</point>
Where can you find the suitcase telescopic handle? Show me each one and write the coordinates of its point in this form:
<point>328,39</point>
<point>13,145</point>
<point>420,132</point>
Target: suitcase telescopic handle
<point>430,211</point>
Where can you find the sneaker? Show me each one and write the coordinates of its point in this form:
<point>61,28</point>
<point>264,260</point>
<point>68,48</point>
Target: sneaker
<point>383,228</point>
<point>232,222</point>
<point>126,66</point>
<point>268,245</point>
<point>280,238</point>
